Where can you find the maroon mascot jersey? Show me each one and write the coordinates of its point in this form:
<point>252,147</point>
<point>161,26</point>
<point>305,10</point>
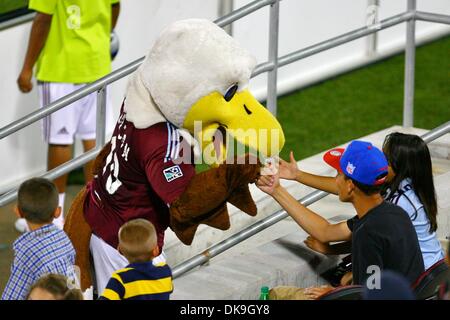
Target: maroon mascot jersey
<point>138,180</point>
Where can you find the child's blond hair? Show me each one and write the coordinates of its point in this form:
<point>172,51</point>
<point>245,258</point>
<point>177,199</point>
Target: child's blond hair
<point>137,240</point>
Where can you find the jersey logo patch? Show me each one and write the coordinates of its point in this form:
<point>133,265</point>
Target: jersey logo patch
<point>172,173</point>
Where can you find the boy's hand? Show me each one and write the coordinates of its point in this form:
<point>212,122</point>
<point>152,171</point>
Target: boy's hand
<point>288,170</point>
<point>24,81</point>
<point>347,279</point>
<point>318,246</point>
<point>269,179</point>
<point>315,292</point>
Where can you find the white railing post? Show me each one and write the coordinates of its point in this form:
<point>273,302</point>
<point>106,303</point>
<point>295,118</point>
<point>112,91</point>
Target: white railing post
<point>225,8</point>
<point>372,20</point>
<point>273,57</point>
<point>100,118</point>
<point>410,57</point>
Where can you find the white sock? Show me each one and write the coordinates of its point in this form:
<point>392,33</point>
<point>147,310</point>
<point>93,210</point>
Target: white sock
<point>61,197</point>
<point>60,220</point>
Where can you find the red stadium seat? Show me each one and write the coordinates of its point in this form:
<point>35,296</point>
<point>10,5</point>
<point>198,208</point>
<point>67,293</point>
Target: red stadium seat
<point>426,286</point>
<point>444,291</point>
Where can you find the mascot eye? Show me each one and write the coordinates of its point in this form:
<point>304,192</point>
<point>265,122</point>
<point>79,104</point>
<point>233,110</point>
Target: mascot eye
<point>230,92</point>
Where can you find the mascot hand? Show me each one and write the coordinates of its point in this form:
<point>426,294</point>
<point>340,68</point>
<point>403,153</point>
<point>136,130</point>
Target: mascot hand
<point>204,200</point>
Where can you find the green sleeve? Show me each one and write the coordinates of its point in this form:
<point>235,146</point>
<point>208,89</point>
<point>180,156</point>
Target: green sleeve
<point>115,1</point>
<point>44,6</point>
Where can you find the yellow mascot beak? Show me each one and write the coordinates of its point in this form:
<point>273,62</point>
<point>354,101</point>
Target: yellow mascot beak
<point>212,118</point>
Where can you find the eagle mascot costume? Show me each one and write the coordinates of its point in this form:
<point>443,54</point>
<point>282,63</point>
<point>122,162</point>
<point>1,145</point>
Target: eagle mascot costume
<point>185,102</point>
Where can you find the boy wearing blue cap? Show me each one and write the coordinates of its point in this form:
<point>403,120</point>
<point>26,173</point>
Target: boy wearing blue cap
<point>383,235</point>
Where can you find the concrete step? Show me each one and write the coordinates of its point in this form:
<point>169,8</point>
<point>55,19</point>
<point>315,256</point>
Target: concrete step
<point>241,277</point>
<point>277,255</point>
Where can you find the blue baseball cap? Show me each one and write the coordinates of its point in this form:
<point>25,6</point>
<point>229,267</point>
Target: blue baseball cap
<point>360,161</point>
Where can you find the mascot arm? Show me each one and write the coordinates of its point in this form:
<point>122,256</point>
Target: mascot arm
<point>204,200</point>
<point>167,178</point>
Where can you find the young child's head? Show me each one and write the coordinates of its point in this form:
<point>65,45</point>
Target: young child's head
<point>53,287</point>
<point>37,201</point>
<point>138,241</point>
<point>409,158</point>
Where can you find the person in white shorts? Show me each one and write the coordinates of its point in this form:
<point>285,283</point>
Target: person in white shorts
<point>70,45</point>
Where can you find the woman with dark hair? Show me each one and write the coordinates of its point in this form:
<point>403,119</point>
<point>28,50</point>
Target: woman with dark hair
<point>409,184</point>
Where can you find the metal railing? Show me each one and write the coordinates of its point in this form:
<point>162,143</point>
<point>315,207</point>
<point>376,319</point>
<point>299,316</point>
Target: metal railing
<point>271,66</point>
<point>100,85</point>
<point>17,20</point>
<point>242,235</point>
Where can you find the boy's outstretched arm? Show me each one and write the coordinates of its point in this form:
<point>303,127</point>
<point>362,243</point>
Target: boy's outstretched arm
<point>308,220</point>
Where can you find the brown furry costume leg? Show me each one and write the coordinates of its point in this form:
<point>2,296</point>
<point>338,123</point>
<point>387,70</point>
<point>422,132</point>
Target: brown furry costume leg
<point>78,230</point>
<point>79,233</point>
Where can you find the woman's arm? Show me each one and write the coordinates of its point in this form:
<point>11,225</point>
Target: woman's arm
<point>324,183</point>
<point>290,171</point>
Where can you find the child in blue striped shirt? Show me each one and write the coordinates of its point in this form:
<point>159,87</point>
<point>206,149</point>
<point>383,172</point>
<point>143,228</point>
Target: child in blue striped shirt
<point>141,279</point>
<point>45,248</point>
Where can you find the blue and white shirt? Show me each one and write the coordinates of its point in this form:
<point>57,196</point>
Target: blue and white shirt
<point>37,253</point>
<point>430,246</point>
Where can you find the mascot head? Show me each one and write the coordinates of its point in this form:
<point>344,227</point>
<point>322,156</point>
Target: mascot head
<point>196,77</point>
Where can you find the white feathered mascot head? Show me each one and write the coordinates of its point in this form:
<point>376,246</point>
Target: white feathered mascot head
<point>196,77</point>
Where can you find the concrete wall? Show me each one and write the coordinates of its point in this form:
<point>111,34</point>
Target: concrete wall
<point>302,23</point>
